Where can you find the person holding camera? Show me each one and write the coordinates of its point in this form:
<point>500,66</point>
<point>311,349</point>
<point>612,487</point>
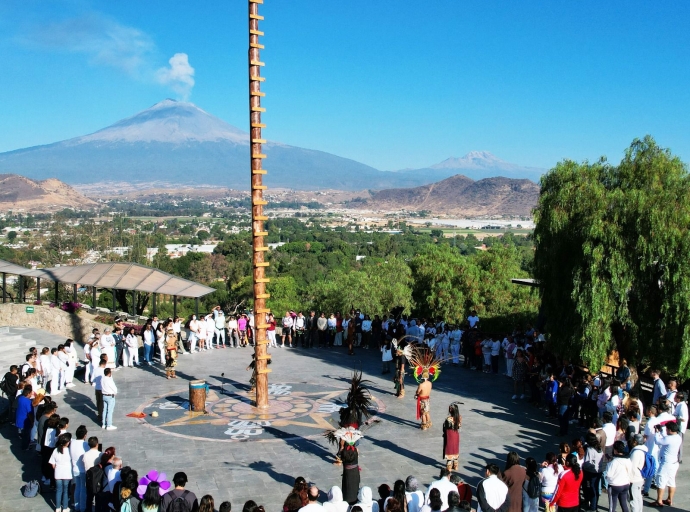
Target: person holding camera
<point>669,444</point>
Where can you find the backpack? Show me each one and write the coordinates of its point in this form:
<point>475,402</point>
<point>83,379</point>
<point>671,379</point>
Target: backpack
<point>179,504</point>
<point>31,489</point>
<point>534,488</point>
<point>94,479</point>
<point>125,506</point>
<point>649,467</point>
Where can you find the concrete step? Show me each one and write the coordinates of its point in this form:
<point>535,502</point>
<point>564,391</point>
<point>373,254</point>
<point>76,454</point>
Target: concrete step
<point>10,337</point>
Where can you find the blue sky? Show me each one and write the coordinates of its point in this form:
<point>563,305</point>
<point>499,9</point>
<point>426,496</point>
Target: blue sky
<point>391,83</point>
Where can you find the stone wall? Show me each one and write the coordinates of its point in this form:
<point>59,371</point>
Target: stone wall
<point>77,326</point>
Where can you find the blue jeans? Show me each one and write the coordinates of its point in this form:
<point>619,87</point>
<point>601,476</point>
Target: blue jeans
<point>62,493</point>
<point>108,406</point>
<point>148,352</point>
<point>80,492</point>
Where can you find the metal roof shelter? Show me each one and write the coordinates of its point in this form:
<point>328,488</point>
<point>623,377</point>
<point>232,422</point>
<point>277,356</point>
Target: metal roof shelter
<point>114,276</point>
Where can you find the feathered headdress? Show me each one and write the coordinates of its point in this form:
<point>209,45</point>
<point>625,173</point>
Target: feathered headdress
<point>425,363</point>
<point>358,398</point>
<point>403,348</point>
<point>349,434</point>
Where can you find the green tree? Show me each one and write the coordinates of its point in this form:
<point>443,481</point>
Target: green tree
<point>12,236</point>
<point>611,257</point>
<point>445,282</point>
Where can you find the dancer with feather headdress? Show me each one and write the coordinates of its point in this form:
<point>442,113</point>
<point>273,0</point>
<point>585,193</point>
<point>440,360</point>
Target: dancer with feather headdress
<point>426,369</point>
<point>357,409</point>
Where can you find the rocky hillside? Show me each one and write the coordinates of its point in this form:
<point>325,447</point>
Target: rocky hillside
<point>20,193</point>
<point>459,195</point>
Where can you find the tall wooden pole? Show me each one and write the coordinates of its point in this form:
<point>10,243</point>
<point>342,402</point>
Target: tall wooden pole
<point>258,203</point>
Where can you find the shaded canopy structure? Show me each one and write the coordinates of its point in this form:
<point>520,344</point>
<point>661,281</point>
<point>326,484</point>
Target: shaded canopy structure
<point>112,275</point>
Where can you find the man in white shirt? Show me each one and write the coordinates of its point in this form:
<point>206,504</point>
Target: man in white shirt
<point>671,390</point>
<point>473,319</point>
<point>313,505</point>
<point>193,334</point>
<point>233,338</point>
<point>495,355</point>
<point>109,391</point>
<point>669,445</point>
<point>492,493</point>
<point>97,383</point>
<point>66,374</point>
<point>220,325</point>
<point>288,323</point>
<point>444,486</point>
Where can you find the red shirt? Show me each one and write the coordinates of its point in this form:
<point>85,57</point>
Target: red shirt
<point>568,490</point>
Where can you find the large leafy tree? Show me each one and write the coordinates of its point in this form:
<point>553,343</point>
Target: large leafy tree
<point>611,256</point>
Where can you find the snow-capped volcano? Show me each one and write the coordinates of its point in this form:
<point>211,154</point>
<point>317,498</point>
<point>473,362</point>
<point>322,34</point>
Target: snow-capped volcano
<point>169,121</point>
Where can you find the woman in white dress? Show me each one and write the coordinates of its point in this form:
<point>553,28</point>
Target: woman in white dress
<point>107,344</point>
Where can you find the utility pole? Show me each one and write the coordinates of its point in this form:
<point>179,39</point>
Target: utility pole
<point>258,202</point>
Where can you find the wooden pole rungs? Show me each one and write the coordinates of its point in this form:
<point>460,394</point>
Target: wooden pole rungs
<point>263,280</point>
<point>258,141</point>
<point>256,17</point>
<point>261,249</point>
<point>259,187</point>
<point>257,63</point>
<point>258,155</point>
<point>262,310</point>
<point>256,1</point>
<point>260,202</point>
<point>267,370</point>
<point>261,217</point>
<point>262,296</point>
<point>256,32</point>
<point>259,171</point>
<point>258,78</point>
<point>258,125</point>
<point>262,264</point>
<point>262,326</point>
<point>258,93</point>
<point>256,45</point>
<point>258,109</point>
<point>260,233</point>
<point>263,358</point>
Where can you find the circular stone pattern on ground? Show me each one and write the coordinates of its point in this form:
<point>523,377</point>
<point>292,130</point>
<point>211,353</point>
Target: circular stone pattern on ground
<point>296,410</point>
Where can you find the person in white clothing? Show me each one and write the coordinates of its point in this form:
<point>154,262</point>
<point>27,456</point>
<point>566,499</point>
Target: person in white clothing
<point>160,342</point>
<point>415,497</point>
<point>177,329</point>
<point>669,446</point>
<point>313,505</point>
<point>107,344</point>
<point>210,324</point>
<point>492,493</point>
<point>77,448</point>
<point>681,414</point>
<point>109,390</point>
<point>192,333</point>
<point>288,324</point>
<point>637,458</point>
<point>219,319</point>
<point>65,369</point>
<point>444,485</point>
<point>335,501</point>
<point>473,319</point>
<point>73,360</point>
<point>46,366</point>
<point>131,355</point>
<point>455,337</point>
<point>57,370</point>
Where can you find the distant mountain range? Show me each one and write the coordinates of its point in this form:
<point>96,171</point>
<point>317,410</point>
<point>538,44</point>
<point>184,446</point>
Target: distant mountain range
<point>176,142</point>
<point>460,195</point>
<point>20,193</point>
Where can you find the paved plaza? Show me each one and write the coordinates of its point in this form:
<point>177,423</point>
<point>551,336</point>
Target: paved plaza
<point>235,454</point>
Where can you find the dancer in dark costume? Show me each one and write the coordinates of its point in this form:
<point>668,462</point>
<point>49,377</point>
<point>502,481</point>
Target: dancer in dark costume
<point>357,409</point>
<point>350,458</point>
<point>451,437</point>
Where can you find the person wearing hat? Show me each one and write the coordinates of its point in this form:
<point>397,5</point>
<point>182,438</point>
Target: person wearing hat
<point>350,460</point>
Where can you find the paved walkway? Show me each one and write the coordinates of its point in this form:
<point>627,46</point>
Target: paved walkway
<point>234,455</point>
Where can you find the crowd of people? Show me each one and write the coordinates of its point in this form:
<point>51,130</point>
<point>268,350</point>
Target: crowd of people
<point>626,450</point>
